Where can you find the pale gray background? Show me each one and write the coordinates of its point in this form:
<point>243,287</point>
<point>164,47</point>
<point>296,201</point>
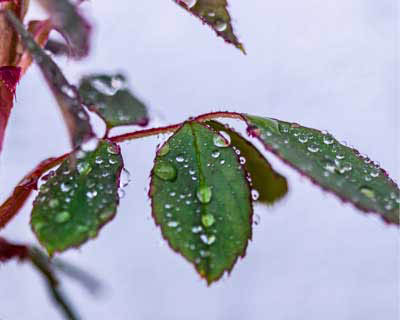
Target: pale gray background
<point>328,64</point>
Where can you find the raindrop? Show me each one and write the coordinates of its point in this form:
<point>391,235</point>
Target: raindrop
<point>368,192</point>
<point>121,193</point>
<point>256,219</point>
<point>221,26</point>
<point>208,239</point>
<point>103,87</point>
<point>328,139</point>
<point>164,150</point>
<point>91,194</point>
<point>65,187</point>
<point>125,178</point>
<point>255,195</point>
<point>62,217</point>
<point>69,91</point>
<point>242,160</point>
<point>340,156</point>
<point>113,149</point>
<point>222,140</point>
<point>173,224</point>
<point>207,220</point>
<point>83,168</point>
<point>215,154</point>
<point>197,229</point>
<point>313,148</point>
<point>204,194</point>
<point>118,82</point>
<point>179,159</point>
<point>98,160</point>
<point>303,138</point>
<point>374,173</point>
<point>165,170</point>
<point>190,3</point>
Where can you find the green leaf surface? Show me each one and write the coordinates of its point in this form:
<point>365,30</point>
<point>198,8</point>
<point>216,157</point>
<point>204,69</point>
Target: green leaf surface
<point>75,203</point>
<point>201,199</point>
<point>215,14</point>
<point>112,101</point>
<point>268,185</point>
<point>75,116</point>
<point>330,164</point>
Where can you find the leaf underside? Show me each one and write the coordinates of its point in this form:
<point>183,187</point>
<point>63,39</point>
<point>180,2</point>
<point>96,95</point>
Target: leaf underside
<point>69,22</point>
<point>201,199</point>
<point>112,101</point>
<point>269,186</point>
<point>215,14</point>
<point>76,118</point>
<point>75,203</point>
<point>330,164</point>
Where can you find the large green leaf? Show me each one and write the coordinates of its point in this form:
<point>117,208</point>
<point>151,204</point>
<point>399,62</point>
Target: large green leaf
<point>75,203</point>
<point>201,199</point>
<point>215,14</point>
<point>112,101</point>
<point>332,165</point>
<point>268,185</point>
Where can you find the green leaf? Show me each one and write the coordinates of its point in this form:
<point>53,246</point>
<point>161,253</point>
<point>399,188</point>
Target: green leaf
<point>330,164</point>
<point>215,14</point>
<point>268,185</point>
<point>108,97</point>
<point>201,199</point>
<point>75,203</point>
<point>75,116</point>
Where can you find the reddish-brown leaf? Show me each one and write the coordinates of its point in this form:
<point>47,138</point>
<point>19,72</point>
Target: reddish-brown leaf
<point>9,251</point>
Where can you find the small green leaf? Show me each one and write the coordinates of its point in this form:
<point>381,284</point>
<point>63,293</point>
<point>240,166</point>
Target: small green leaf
<point>215,14</point>
<point>330,164</point>
<point>204,207</point>
<point>75,203</point>
<point>268,185</point>
<point>112,101</point>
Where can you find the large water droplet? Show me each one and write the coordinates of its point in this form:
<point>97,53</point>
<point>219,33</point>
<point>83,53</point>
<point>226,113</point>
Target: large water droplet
<point>69,91</point>
<point>303,138</point>
<point>313,148</point>
<point>104,87</point>
<point>197,229</point>
<point>221,26</point>
<point>62,216</point>
<point>204,194</point>
<point>207,220</point>
<point>368,192</point>
<point>189,3</point>
<point>65,187</point>
<point>215,154</point>
<point>173,224</point>
<point>165,170</point>
<point>255,195</point>
<point>328,139</point>
<point>180,159</point>
<point>91,194</point>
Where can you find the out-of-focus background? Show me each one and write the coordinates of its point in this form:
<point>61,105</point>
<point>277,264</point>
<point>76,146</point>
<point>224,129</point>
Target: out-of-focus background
<point>328,64</point>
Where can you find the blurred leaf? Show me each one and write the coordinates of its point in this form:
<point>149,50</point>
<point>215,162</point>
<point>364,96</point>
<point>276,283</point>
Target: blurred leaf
<point>112,101</point>
<point>201,199</point>
<point>75,116</point>
<point>330,164</point>
<point>9,77</point>
<point>215,14</point>
<point>73,205</point>
<point>40,31</point>
<point>23,190</point>
<point>68,21</point>
<point>268,185</point>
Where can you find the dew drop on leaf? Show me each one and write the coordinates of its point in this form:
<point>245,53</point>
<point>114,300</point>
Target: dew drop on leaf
<point>207,220</point>
<point>83,168</point>
<point>62,217</point>
<point>208,239</point>
<point>165,170</point>
<point>204,194</point>
<point>368,192</point>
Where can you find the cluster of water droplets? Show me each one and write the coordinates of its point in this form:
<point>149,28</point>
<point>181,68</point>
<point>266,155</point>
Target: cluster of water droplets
<point>90,187</point>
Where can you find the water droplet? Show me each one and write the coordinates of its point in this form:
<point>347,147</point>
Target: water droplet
<point>374,173</point>
<point>65,187</point>
<point>113,149</point>
<point>222,140</point>
<point>179,159</point>
<point>368,192</point>
<point>215,154</point>
<point>173,224</point>
<point>53,203</point>
<point>98,160</point>
<point>121,193</point>
<point>69,91</point>
<point>165,170</point>
<point>83,168</point>
<point>303,138</point>
<point>172,194</point>
<point>207,220</point>
<point>256,219</point>
<point>208,239</point>
<point>90,145</point>
<point>255,195</point>
<point>91,194</point>
<point>242,160</point>
<point>313,148</point>
<point>118,82</point>
<point>62,217</point>
<point>204,194</point>
<point>221,26</point>
<point>164,150</point>
<point>189,3</point>
<point>103,87</point>
<point>328,139</point>
<point>340,156</point>
<point>197,229</point>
